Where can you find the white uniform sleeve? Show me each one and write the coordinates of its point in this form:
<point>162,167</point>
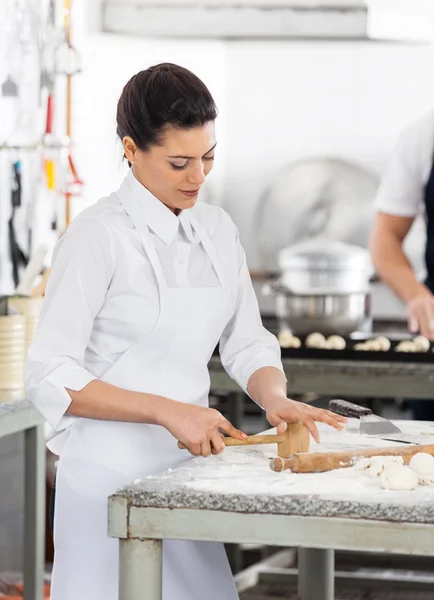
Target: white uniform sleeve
<point>402,189</point>
<point>246,345</point>
<point>78,282</point>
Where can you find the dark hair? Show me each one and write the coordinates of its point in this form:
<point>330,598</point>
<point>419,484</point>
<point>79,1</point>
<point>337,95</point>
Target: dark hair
<point>162,95</point>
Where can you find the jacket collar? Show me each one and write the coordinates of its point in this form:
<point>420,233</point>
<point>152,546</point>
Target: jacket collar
<point>160,219</point>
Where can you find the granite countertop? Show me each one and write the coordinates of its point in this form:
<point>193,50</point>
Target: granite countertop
<point>16,406</point>
<point>240,480</point>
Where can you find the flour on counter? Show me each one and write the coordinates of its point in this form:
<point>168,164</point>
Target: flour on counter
<point>244,472</point>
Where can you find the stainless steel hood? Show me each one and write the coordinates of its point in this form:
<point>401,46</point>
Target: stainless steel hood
<point>381,20</point>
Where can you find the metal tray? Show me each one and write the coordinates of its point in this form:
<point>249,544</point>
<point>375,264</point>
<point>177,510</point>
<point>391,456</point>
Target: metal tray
<point>349,354</point>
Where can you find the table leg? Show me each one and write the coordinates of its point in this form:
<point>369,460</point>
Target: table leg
<point>316,574</point>
<point>236,414</point>
<point>34,513</point>
<point>140,569</point>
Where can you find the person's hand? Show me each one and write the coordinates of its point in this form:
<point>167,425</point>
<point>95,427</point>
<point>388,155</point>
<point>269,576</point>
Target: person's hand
<point>421,314</point>
<point>197,427</point>
<point>281,410</point>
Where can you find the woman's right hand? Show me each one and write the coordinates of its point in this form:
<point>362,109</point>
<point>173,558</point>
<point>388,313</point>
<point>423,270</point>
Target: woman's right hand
<point>197,427</point>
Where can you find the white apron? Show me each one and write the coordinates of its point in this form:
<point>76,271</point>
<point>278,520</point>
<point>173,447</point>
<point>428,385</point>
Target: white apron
<point>101,456</point>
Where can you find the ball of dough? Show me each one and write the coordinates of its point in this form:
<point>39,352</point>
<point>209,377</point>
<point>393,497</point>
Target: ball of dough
<point>373,345</point>
<point>384,343</point>
<point>398,477</point>
<point>336,342</point>
<point>422,464</point>
<point>315,340</point>
<point>287,340</point>
<point>361,347</point>
<point>295,342</point>
<point>375,465</point>
<point>422,343</point>
<point>406,346</point>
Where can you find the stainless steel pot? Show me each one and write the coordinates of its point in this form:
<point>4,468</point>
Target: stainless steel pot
<point>323,287</point>
<point>329,314</point>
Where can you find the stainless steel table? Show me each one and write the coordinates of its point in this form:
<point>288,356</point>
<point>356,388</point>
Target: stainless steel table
<point>15,417</point>
<point>341,377</point>
<point>236,498</point>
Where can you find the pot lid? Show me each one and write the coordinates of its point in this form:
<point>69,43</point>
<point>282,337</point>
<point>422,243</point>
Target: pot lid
<point>324,256</point>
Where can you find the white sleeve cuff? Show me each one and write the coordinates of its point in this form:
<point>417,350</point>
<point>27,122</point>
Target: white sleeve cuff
<point>51,398</point>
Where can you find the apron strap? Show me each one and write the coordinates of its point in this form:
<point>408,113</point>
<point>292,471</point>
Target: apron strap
<point>141,226</point>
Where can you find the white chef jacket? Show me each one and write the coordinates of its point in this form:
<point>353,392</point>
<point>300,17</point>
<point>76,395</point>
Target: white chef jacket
<point>102,297</point>
<point>402,188</point>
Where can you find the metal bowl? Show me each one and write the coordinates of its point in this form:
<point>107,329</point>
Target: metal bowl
<point>329,314</point>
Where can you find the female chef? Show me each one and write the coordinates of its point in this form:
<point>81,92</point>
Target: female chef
<point>144,285</point>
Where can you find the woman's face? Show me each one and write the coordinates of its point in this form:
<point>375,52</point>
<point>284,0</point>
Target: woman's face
<point>176,170</point>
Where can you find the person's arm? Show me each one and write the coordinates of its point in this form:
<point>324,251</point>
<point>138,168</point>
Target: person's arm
<point>56,379</point>
<point>267,387</point>
<point>399,201</point>
<point>393,266</point>
<point>251,356</point>
<point>196,427</point>
<point>389,258</point>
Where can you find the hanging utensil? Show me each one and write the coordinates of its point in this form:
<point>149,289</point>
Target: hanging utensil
<point>18,257</point>
<point>32,270</point>
<point>71,67</point>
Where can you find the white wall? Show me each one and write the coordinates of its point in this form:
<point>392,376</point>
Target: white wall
<point>288,100</point>
<point>279,101</point>
<point>108,62</point>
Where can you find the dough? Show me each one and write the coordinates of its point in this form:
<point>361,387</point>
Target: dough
<point>335,342</point>
<point>374,466</point>
<point>362,346</point>
<point>315,340</point>
<point>426,480</point>
<point>406,346</point>
<point>287,340</point>
<point>384,343</point>
<point>373,345</point>
<point>398,477</point>
<point>422,343</point>
<point>422,464</point>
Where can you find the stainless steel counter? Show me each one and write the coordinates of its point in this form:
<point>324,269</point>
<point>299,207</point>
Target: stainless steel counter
<point>351,378</point>
<point>15,417</point>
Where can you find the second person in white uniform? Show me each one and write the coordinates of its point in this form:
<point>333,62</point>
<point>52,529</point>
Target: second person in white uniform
<point>144,285</point>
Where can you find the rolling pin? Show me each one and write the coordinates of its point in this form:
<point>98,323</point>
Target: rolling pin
<point>319,462</point>
<point>294,439</point>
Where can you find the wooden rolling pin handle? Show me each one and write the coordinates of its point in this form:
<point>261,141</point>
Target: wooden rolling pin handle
<point>251,440</point>
<point>320,462</point>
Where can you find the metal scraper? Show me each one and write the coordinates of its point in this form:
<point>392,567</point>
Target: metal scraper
<point>370,424</point>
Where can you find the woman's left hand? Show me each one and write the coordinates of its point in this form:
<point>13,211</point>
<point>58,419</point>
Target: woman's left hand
<point>281,411</point>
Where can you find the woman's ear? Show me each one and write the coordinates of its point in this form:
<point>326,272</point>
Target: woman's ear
<point>130,149</point>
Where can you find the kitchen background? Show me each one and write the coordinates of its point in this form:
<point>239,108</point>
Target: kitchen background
<point>280,101</point>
